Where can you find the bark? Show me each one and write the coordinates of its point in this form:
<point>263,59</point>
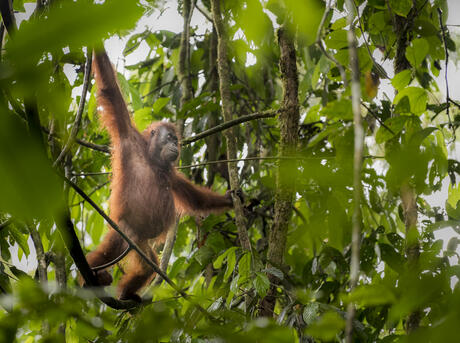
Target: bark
<point>42,266</point>
<point>230,135</point>
<point>285,180</point>
<point>357,165</point>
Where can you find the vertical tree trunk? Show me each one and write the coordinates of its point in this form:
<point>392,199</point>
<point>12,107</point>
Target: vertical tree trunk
<point>285,180</point>
<point>224,78</point>
<point>357,164</point>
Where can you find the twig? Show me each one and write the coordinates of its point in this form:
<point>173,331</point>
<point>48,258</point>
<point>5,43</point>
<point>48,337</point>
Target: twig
<point>97,147</point>
<point>134,246</point>
<point>76,125</point>
<point>377,118</point>
<point>357,166</point>
<point>206,15</point>
<point>319,42</point>
<point>443,35</point>
<point>381,72</point>
<point>229,124</point>
<point>111,263</point>
<point>157,88</point>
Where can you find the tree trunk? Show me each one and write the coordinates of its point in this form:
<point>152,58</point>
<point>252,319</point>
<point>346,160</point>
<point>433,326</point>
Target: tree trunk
<point>285,180</point>
<point>224,85</point>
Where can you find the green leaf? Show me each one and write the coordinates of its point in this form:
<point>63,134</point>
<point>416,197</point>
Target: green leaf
<point>395,124</point>
<point>338,109</point>
<point>401,7</point>
<point>143,118</point>
<point>417,96</point>
<point>402,79</point>
<point>310,313</point>
<point>244,267</point>
<point>159,104</point>
<point>417,51</point>
<point>217,264</point>
<point>275,272</point>
<point>261,284</point>
<point>337,40</point>
<point>231,262</point>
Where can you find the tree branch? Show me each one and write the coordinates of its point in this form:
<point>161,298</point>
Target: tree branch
<point>320,43</point>
<point>443,35</point>
<point>89,276</point>
<point>228,124</point>
<point>224,81</point>
<point>285,175</point>
<point>6,10</point>
<point>76,125</point>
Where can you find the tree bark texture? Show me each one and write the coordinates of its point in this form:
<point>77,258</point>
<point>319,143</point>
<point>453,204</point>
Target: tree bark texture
<point>285,180</point>
<point>230,135</point>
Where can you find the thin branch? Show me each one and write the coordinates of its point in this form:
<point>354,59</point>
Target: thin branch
<point>443,35</point>
<point>357,166</point>
<point>98,147</point>
<point>228,124</point>
<point>320,43</point>
<point>157,88</point>
<point>76,125</point>
<point>203,12</point>
<point>114,261</point>
<point>134,246</point>
<point>377,118</point>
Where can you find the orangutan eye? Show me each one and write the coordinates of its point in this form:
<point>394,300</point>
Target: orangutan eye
<point>152,132</point>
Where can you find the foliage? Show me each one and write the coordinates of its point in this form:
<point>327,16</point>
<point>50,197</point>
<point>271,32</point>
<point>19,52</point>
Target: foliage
<point>408,137</point>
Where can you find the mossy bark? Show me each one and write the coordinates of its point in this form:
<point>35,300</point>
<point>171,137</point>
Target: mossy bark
<point>230,135</point>
<point>285,177</point>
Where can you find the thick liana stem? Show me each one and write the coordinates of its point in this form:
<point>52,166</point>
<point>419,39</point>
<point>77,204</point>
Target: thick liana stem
<point>357,164</point>
<point>224,85</point>
<point>285,177</point>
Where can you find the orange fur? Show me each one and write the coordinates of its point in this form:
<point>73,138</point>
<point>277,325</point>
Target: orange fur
<point>145,197</point>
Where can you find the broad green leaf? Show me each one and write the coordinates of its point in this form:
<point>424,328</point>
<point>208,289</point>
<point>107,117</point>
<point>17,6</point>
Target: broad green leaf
<point>217,264</point>
<point>261,284</point>
<point>401,7</point>
<point>244,267</point>
<point>417,97</point>
<point>231,262</point>
<point>159,104</point>
<point>337,40</point>
<point>395,124</point>
<point>143,118</point>
<point>417,51</point>
<point>310,313</point>
<point>401,80</point>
